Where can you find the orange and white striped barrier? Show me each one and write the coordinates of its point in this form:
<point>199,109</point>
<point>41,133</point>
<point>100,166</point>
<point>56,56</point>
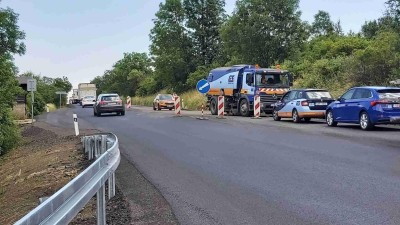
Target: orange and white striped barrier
<point>257,107</point>
<point>221,107</point>
<point>177,105</point>
<point>128,102</point>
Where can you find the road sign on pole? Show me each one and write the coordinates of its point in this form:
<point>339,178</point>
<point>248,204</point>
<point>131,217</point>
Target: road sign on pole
<point>31,86</point>
<point>203,86</point>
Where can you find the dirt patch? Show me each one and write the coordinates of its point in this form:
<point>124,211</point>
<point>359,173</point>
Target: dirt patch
<point>47,159</point>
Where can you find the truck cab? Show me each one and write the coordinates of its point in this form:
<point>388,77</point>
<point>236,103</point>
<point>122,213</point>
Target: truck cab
<point>240,83</point>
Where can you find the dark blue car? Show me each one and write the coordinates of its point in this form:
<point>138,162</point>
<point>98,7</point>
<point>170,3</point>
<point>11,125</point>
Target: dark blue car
<point>366,106</point>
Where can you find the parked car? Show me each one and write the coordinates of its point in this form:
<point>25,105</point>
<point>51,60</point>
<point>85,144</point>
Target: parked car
<point>367,106</point>
<point>88,101</point>
<point>109,103</point>
<point>163,101</point>
<point>302,104</point>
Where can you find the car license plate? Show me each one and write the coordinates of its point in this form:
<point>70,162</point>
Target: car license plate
<point>321,103</point>
<point>396,105</point>
<point>311,104</point>
<point>112,103</point>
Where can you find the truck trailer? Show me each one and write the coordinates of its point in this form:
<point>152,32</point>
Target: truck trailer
<point>74,97</point>
<point>86,89</point>
<point>240,83</point>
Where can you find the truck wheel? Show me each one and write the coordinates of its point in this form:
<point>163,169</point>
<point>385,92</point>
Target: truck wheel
<point>244,108</point>
<point>213,107</point>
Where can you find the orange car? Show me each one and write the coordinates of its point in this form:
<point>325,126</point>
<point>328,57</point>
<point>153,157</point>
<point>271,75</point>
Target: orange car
<point>163,101</point>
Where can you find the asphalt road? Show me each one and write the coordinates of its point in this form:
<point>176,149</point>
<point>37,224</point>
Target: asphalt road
<point>247,171</point>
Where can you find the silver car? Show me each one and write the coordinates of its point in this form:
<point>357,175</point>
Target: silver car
<point>109,103</point>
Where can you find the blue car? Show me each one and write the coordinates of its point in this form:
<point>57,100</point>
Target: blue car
<point>367,106</point>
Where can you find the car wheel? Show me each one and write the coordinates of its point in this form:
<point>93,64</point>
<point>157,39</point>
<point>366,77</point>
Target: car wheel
<point>170,109</point>
<point>275,115</point>
<point>307,119</point>
<point>365,122</point>
<point>94,113</point>
<point>244,108</point>
<point>158,107</point>
<point>123,113</point>
<point>83,106</point>
<point>213,107</point>
<point>330,119</point>
<point>99,114</point>
<point>295,116</point>
<point>154,108</point>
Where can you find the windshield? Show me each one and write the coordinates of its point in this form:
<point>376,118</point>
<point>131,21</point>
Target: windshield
<point>110,98</point>
<point>165,97</point>
<point>268,79</point>
<point>318,95</point>
<point>389,94</point>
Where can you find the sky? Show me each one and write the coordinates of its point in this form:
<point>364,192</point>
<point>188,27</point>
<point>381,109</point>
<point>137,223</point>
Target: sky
<point>81,39</point>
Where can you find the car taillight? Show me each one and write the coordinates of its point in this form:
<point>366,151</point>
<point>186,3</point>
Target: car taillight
<point>374,103</point>
<point>304,103</point>
<point>102,102</point>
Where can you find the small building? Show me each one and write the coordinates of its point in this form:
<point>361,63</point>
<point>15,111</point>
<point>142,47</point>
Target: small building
<point>19,108</point>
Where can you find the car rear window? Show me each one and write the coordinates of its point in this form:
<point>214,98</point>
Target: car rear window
<point>165,97</point>
<point>318,95</point>
<point>389,94</point>
<point>110,98</point>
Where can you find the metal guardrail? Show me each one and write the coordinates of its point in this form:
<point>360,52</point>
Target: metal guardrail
<point>66,203</point>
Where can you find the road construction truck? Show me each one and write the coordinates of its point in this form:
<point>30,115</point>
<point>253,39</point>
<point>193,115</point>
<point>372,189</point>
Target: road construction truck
<point>240,83</point>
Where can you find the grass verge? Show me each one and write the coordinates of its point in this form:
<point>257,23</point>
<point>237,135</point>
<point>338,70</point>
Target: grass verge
<point>192,100</point>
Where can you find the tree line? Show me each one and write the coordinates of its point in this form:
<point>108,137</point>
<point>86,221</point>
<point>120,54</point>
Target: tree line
<point>11,43</point>
<point>189,37</point>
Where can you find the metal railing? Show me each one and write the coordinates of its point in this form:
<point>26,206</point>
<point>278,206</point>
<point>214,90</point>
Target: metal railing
<point>65,204</point>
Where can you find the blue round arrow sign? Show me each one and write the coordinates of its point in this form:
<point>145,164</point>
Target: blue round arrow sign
<point>203,86</point>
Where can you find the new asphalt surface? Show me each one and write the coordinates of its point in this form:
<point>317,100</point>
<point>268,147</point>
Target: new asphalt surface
<point>248,171</point>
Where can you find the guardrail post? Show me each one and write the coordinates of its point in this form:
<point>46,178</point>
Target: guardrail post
<point>101,206</point>
<point>111,186</point>
<point>103,143</point>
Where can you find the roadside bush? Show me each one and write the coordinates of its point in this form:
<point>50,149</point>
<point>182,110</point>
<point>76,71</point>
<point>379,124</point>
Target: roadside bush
<point>39,104</point>
<point>9,132</point>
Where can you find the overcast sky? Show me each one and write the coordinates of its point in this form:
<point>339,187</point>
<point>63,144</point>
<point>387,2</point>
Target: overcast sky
<point>81,39</point>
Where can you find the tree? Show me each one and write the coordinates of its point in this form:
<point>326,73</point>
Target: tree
<point>171,47</point>
<point>322,24</point>
<point>264,31</point>
<point>10,43</point>
<point>126,75</point>
<point>393,9</point>
<point>204,19</point>
<point>10,35</point>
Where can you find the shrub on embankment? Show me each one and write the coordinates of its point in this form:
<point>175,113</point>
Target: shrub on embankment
<point>192,100</point>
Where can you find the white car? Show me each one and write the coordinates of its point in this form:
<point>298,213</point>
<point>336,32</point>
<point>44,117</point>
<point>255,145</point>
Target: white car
<point>88,101</point>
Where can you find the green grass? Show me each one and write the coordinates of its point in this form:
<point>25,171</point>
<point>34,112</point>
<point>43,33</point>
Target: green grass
<point>52,107</point>
<point>192,100</point>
